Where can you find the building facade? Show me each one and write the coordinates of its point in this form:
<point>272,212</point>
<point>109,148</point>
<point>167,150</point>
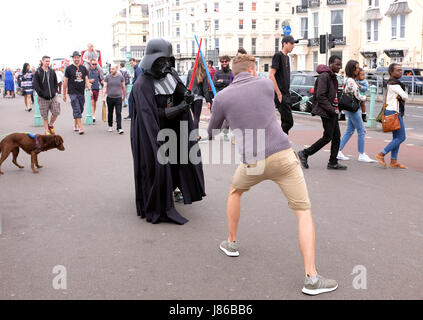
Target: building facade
<point>136,37</point>
<point>314,18</point>
<point>225,26</point>
<point>392,31</point>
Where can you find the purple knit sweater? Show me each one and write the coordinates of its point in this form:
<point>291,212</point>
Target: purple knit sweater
<point>248,104</point>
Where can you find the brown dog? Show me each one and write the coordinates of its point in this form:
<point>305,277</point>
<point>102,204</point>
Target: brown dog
<point>40,143</point>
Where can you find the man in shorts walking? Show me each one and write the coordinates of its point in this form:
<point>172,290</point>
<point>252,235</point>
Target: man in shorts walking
<point>45,84</point>
<point>275,161</point>
<point>95,78</point>
<point>76,78</point>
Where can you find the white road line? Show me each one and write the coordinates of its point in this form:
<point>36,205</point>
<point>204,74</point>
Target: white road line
<point>410,145</point>
<point>409,129</point>
<point>387,141</point>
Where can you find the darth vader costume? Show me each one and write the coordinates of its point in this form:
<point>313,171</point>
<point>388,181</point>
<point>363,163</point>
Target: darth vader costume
<point>161,101</point>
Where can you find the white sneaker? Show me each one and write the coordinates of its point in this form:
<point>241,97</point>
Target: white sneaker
<point>341,156</point>
<point>110,129</point>
<point>365,158</point>
<point>120,131</point>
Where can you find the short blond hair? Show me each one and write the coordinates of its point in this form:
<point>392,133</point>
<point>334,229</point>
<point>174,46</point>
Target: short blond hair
<point>242,62</point>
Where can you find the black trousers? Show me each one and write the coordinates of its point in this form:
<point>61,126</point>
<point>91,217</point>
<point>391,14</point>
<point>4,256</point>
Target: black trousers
<point>211,98</point>
<point>331,133</point>
<point>114,103</point>
<point>285,110</point>
<point>196,108</point>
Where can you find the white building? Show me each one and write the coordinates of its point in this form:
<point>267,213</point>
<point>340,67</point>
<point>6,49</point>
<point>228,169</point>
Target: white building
<point>224,26</point>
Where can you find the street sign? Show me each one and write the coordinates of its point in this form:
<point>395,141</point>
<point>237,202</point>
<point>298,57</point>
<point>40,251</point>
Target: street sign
<point>287,30</point>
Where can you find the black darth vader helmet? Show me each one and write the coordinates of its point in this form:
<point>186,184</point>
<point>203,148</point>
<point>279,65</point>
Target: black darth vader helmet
<point>158,59</point>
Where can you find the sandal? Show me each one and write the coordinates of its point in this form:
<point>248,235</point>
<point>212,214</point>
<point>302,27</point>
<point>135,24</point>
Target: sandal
<point>381,160</point>
<point>51,129</point>
<point>397,165</point>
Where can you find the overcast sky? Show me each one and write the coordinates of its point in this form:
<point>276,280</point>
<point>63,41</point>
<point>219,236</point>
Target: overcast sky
<point>26,22</point>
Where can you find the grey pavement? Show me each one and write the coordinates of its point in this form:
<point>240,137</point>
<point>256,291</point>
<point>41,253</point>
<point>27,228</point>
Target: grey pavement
<point>79,212</point>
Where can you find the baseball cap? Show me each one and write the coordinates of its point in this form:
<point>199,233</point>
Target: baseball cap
<point>289,39</point>
<point>75,54</point>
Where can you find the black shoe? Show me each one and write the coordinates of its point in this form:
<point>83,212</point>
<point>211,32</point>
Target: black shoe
<point>127,118</point>
<point>364,117</point>
<point>303,159</point>
<point>336,166</point>
<point>342,117</point>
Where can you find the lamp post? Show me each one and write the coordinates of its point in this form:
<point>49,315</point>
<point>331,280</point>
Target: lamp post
<point>128,49</point>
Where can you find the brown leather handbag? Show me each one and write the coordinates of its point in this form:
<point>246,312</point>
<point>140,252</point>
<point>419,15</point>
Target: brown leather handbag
<point>389,123</point>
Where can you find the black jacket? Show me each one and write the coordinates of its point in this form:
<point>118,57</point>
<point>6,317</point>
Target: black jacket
<point>325,91</point>
<point>45,84</point>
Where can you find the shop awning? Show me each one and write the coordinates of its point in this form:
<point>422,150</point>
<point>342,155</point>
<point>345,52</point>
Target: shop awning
<point>369,54</point>
<point>373,14</point>
<point>395,53</point>
<point>398,8</point>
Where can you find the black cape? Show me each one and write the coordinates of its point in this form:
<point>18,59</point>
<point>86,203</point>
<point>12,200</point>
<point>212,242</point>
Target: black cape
<point>155,182</point>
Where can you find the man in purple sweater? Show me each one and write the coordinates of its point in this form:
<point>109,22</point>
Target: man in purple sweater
<point>249,109</point>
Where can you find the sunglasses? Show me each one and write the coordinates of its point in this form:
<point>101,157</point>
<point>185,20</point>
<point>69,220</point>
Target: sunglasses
<point>224,61</point>
<point>93,64</point>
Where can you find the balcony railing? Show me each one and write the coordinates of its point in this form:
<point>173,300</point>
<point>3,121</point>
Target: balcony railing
<point>341,41</point>
<point>314,3</point>
<point>315,42</point>
<point>336,2</point>
<point>301,9</point>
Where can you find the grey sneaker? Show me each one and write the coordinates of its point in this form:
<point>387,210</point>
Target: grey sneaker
<point>322,285</point>
<point>230,248</point>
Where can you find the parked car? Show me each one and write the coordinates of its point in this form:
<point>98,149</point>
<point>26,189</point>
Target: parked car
<point>411,78</point>
<point>302,85</point>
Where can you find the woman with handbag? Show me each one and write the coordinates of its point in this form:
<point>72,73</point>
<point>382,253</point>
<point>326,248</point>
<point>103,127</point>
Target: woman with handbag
<point>355,119</point>
<point>394,108</point>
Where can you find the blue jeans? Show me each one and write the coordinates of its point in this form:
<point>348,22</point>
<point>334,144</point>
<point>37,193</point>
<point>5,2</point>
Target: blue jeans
<point>398,137</point>
<point>355,122</point>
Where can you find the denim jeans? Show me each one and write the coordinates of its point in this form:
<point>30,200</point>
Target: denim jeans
<point>398,137</point>
<point>355,122</point>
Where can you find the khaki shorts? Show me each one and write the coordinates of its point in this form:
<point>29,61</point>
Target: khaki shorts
<point>284,169</point>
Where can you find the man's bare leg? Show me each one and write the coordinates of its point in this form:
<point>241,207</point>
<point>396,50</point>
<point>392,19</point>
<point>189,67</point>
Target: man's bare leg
<point>234,212</point>
<point>307,240</point>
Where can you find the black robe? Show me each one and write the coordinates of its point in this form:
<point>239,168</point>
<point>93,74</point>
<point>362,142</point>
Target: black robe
<point>155,182</point>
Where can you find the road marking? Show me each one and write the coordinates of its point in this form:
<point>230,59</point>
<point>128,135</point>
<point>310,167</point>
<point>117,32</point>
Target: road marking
<point>409,128</point>
<point>410,145</point>
<point>387,141</point>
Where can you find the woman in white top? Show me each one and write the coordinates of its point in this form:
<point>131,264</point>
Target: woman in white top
<point>395,100</point>
<point>355,119</point>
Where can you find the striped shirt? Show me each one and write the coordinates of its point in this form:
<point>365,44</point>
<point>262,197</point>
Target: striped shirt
<point>26,82</point>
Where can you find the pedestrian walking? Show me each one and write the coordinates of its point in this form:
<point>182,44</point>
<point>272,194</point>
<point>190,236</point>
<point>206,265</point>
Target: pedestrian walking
<point>212,72</point>
<point>200,90</point>
<point>241,51</point>
<point>325,105</point>
<point>280,74</point>
<point>59,76</point>
<point>26,85</point>
<point>95,78</point>
<point>355,120</point>
<point>127,76</point>
<point>396,96</point>
<point>9,83</point>
<point>363,85</point>
<point>76,79</point>
<point>45,84</point>
<point>276,161</point>
<point>114,93</point>
<point>223,78</point>
<point>137,73</point>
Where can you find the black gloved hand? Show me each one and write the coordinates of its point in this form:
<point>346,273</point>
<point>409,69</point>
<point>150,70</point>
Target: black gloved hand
<point>175,111</point>
<point>188,97</point>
